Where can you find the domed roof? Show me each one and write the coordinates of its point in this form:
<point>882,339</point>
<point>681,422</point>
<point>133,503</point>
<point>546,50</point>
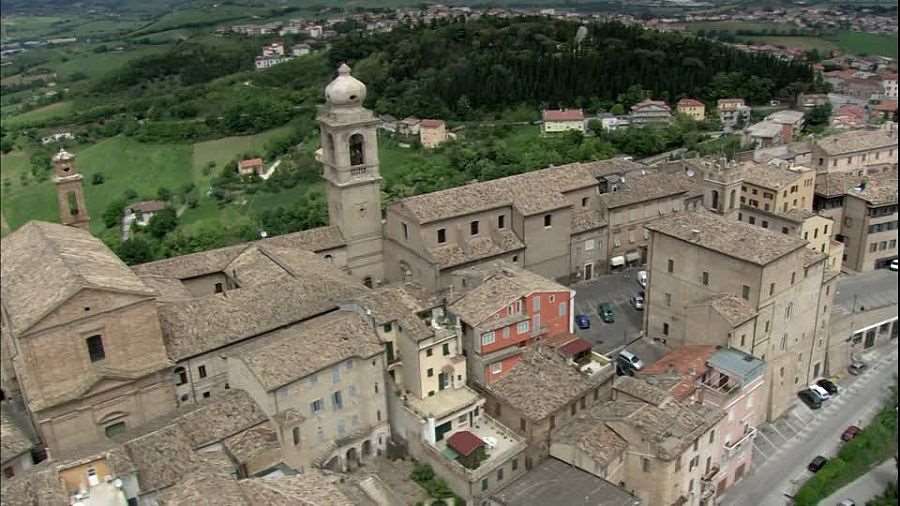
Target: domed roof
<point>345,90</point>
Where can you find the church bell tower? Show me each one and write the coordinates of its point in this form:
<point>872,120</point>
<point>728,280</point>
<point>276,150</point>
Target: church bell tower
<point>69,191</point>
<point>349,156</point>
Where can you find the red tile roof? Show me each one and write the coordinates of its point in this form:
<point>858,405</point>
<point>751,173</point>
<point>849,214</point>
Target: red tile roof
<point>690,102</point>
<point>575,347</point>
<point>431,123</point>
<point>254,162</point>
<point>464,442</point>
<point>563,115</point>
<point>689,362</point>
<point>887,106</point>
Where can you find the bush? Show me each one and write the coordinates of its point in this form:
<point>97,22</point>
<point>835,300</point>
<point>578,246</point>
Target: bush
<point>97,179</point>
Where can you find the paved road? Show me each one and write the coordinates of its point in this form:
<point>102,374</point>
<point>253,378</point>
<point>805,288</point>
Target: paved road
<point>867,486</point>
<point>781,456</point>
<point>873,289</point>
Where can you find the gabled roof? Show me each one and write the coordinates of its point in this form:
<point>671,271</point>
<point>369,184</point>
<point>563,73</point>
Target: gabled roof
<point>856,140</point>
<point>464,442</point>
<point>431,123</point>
<point>690,102</point>
<point>503,283</point>
<point>562,115</point>
<point>735,310</point>
<point>44,264</point>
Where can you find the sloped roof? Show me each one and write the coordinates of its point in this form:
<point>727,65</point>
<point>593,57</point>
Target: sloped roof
<point>856,140</point>
<point>464,442</point>
<point>735,239</point>
<point>595,439</point>
<point>690,102</point>
<point>322,342</point>
<point>735,310</point>
<point>44,264</point>
<point>503,283</point>
<point>541,384</point>
<point>249,444</point>
<point>562,115</point>
<point>39,486</point>
<point>643,187</point>
<point>13,440</point>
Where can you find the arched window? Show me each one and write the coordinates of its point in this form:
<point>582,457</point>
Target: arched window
<point>715,199</point>
<point>368,281</point>
<point>357,147</point>
<point>72,201</point>
<point>296,435</point>
<point>329,258</point>
<point>181,376</point>
<point>330,147</point>
<point>732,199</point>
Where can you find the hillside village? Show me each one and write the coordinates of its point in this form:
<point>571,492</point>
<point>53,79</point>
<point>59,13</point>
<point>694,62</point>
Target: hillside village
<point>437,348</point>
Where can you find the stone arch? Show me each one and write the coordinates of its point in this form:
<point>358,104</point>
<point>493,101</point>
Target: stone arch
<point>366,448</point>
<point>357,146</point>
<point>732,199</point>
<point>180,376</point>
<point>352,458</point>
<point>715,199</point>
<point>333,464</point>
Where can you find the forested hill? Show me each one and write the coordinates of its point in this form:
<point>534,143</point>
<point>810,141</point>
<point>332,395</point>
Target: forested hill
<point>446,70</point>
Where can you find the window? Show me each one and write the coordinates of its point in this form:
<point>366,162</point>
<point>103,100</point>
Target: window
<point>316,406</point>
<point>765,224</point>
<point>445,349</point>
<point>784,340</point>
<point>515,464</point>
<point>589,245</point>
<point>784,230</point>
<point>430,372</point>
<point>473,228</point>
<point>523,424</point>
<point>645,464</point>
<point>296,435</point>
<point>405,231</point>
<point>751,220</point>
<point>788,310</point>
<point>218,288</point>
<point>335,375</point>
<point>548,220</point>
<point>665,329</point>
<point>337,400</point>
<point>497,368</point>
<point>515,258</point>
<point>442,235</point>
<point>562,308</point>
<point>501,221</point>
<point>705,278</point>
<point>573,408</point>
<point>357,149</point>
<point>376,388</point>
<point>8,472</point>
<point>583,402</point>
<point>712,436</point>
<point>552,422</point>
<point>181,375</point>
<point>743,340</point>
<point>500,474</point>
<point>671,265</point>
<point>668,300</point>
<point>201,371</point>
<point>116,428</point>
<point>745,292</point>
<point>95,348</point>
<point>766,327</point>
<point>584,202</point>
<point>522,327</point>
<point>484,485</point>
<point>487,338</point>
<point>596,394</point>
<point>429,352</point>
<point>771,289</point>
<point>793,277</point>
<point>536,303</point>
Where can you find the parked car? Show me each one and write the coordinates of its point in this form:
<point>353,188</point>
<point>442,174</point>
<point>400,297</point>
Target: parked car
<point>894,265</point>
<point>828,385</point>
<point>637,302</point>
<point>631,359</point>
<point>624,368</point>
<point>811,400</point>
<point>606,312</point>
<point>857,367</point>
<point>642,278</point>
<point>583,321</point>
<point>847,502</point>
<point>850,433</point>
<point>817,463</point>
<point>821,392</point>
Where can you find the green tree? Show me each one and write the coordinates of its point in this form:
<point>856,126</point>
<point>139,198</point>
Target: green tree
<point>112,215</point>
<point>135,250</point>
<point>819,115</point>
<point>164,193</point>
<point>617,110</point>
<point>162,222</point>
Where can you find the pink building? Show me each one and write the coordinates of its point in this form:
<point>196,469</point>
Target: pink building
<point>730,380</point>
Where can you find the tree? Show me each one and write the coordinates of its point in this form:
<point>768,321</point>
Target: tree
<point>135,250</point>
<point>112,215</point>
<point>97,178</point>
<point>617,110</point>
<point>819,115</point>
<point>162,222</point>
<point>163,193</point>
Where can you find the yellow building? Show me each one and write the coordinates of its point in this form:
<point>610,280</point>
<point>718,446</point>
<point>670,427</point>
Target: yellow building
<point>692,108</point>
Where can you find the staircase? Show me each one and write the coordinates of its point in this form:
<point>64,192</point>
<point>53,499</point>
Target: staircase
<point>379,492</point>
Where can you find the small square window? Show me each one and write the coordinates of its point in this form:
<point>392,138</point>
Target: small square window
<point>501,221</point>
<point>442,235</point>
<point>473,227</point>
<point>548,220</point>
<point>95,348</point>
<point>429,352</point>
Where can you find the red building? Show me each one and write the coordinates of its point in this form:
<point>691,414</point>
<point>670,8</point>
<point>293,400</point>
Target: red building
<point>503,310</point>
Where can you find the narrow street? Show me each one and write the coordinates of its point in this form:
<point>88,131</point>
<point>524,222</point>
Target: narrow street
<point>783,449</point>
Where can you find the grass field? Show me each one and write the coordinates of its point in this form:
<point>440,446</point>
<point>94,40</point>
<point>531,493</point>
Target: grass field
<point>57,110</point>
<point>20,203</point>
<point>798,42</point>
<point>867,43</point>
<point>95,65</point>
<point>223,150</point>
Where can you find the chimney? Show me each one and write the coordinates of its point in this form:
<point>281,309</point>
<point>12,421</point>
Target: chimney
<point>695,234</point>
<point>787,134</point>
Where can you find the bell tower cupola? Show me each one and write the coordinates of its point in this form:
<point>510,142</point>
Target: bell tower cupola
<point>69,191</point>
<point>349,155</point>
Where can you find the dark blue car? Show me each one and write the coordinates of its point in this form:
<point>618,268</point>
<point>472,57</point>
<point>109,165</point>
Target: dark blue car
<point>582,321</point>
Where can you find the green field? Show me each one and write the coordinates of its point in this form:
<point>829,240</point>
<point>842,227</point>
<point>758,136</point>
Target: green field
<point>798,42</point>
<point>867,43</point>
<point>57,110</point>
<point>95,65</point>
<point>222,151</point>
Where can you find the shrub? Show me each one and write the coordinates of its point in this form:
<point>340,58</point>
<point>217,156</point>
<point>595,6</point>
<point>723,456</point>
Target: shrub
<point>97,178</point>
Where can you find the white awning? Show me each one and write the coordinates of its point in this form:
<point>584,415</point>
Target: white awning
<point>632,256</point>
<point>617,261</point>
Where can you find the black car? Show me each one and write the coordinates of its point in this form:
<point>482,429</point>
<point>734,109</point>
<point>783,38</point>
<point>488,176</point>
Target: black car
<point>623,368</point>
<point>809,398</point>
<point>828,385</point>
<point>817,463</point>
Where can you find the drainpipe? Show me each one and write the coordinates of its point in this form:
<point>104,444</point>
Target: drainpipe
<point>571,311</point>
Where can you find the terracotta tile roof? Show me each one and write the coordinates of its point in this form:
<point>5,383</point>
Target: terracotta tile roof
<point>39,486</point>
<point>687,364</point>
<point>574,347</point>
<point>323,342</point>
<point>880,189</point>
<point>199,325</point>
<point>202,488</point>
<point>530,193</point>
<point>541,384</point>
<point>396,304</point>
<point>856,140</point>
<point>253,442</point>
<point>44,264</point>
<point>596,440</point>
<point>148,206</point>
<point>886,106</point>
<point>562,115</point>
<point>641,390</point>
<point>464,442</point>
<point>690,102</point>
<point>502,284</point>
<point>162,457</point>
<point>502,242</point>
<point>253,162</point>
<point>734,309</point>
<point>587,219</point>
<point>735,239</point>
<point>644,104</point>
<point>308,489</point>
<point>644,187</point>
<point>729,102</point>
<point>13,440</point>
<point>225,415</point>
<point>431,123</point>
<point>314,239</point>
<point>767,176</point>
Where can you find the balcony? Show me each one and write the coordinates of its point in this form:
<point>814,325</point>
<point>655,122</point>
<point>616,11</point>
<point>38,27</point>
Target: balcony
<point>732,449</point>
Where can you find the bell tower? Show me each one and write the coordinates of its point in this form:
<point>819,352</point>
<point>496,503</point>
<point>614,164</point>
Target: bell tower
<point>349,155</point>
<point>722,188</point>
<point>69,191</point>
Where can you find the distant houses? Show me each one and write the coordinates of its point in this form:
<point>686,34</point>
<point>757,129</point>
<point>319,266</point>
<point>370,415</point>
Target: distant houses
<point>252,166</point>
<point>733,112</point>
<point>272,54</point>
<point>562,120</point>
<point>139,213</point>
<point>58,137</point>
<point>650,112</point>
<point>692,108</point>
<point>432,133</point>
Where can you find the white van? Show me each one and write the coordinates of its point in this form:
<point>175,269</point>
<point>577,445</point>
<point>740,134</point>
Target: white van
<point>642,278</point>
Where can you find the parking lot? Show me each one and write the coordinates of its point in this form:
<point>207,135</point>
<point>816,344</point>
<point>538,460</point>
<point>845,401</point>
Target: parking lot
<point>609,338</point>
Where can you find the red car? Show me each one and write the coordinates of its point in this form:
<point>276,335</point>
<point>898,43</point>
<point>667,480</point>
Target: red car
<point>850,433</point>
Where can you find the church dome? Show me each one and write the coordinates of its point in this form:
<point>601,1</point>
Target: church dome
<point>345,90</point>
